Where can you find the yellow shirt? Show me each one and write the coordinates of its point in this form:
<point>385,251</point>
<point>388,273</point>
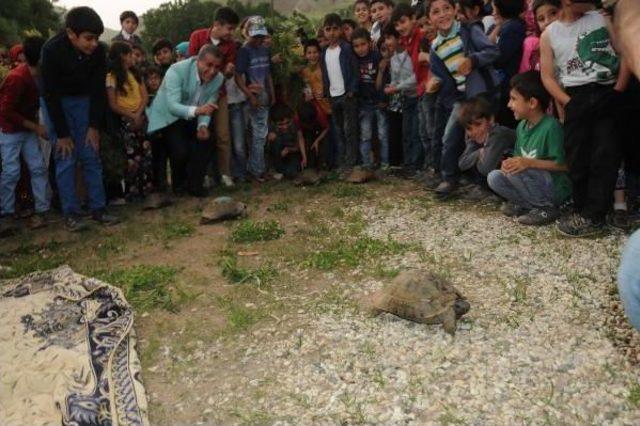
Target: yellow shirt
<point>313,78</point>
<point>132,100</point>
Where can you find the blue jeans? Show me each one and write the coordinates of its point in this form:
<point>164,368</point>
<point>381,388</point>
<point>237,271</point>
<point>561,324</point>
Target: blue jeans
<point>529,189</point>
<point>432,151</point>
<point>11,146</point>
<point>411,145</point>
<point>259,119</point>
<point>452,144</point>
<point>371,115</point>
<point>238,126</point>
<point>76,111</point>
<point>629,280</point>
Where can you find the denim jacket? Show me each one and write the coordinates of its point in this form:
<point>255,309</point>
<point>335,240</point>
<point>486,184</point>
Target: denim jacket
<point>482,79</point>
<point>349,67</point>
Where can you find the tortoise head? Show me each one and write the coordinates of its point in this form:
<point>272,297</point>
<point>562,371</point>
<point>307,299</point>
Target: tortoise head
<point>461,307</point>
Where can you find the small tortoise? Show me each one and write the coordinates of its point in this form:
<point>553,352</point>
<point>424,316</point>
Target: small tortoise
<point>157,200</point>
<point>360,175</point>
<point>308,177</point>
<point>222,208</point>
<point>423,297</point>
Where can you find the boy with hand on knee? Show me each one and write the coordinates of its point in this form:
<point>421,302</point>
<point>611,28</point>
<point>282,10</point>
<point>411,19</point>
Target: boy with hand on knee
<point>534,181</point>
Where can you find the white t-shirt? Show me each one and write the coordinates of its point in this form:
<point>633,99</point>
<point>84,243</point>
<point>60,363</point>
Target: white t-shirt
<point>334,72</point>
<point>582,51</point>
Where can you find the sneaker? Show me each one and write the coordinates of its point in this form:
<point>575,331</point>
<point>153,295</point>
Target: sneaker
<point>445,189</point>
<point>278,177</point>
<point>579,226</point>
<point>227,181</point>
<point>75,224</point>
<point>510,209</point>
<point>619,219</point>
<point>104,218</point>
<point>8,227</point>
<point>539,216</point>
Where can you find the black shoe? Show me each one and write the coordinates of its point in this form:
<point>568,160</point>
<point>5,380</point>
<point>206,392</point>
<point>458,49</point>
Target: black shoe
<point>8,227</point>
<point>510,209</point>
<point>539,216</point>
<point>75,224</point>
<point>579,226</point>
<point>445,189</point>
<point>104,218</point>
<point>619,219</point>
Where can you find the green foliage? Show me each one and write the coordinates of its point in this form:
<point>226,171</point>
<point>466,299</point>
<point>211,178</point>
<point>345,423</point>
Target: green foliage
<point>249,231</point>
<point>20,16</point>
<point>145,287</point>
<point>176,20</point>
<point>239,275</point>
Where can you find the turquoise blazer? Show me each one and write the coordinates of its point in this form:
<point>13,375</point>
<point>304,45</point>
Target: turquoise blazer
<point>178,87</point>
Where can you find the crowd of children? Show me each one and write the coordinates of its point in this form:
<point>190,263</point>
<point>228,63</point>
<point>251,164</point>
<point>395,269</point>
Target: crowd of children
<point>521,101</point>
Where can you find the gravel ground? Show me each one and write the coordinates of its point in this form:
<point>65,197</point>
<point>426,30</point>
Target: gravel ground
<point>544,342</point>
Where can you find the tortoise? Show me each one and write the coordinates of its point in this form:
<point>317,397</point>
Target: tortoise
<point>423,297</point>
<point>157,200</point>
<point>360,175</point>
<point>222,208</point>
<point>308,177</point>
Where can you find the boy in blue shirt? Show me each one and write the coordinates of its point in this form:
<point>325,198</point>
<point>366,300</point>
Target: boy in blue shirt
<point>534,181</point>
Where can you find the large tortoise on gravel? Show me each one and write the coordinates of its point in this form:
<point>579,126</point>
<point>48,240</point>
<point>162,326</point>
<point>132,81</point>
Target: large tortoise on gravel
<point>423,297</point>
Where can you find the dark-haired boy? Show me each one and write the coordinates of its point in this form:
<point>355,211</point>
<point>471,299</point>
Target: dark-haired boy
<point>370,99</point>
<point>380,15</point>
<point>534,181</point>
<point>340,76</point>
<point>487,144</point>
<point>162,51</point>
<point>73,73</point>
<point>220,34</point>
<point>404,21</point>
<point>348,27</point>
<point>129,22</point>
<point>288,152</point>
<point>19,132</point>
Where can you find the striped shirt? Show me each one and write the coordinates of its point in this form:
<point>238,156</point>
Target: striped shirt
<point>450,49</point>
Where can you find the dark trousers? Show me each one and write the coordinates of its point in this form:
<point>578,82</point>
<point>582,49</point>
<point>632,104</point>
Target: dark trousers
<point>344,113</point>
<point>450,132</point>
<point>395,138</point>
<point>592,147</point>
<point>411,143</point>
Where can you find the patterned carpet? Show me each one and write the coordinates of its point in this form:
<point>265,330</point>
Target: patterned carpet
<point>67,353</point>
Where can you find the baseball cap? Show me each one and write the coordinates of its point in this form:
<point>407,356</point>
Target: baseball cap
<point>257,27</point>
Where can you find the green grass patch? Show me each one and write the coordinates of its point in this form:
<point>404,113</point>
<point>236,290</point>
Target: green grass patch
<point>239,317</point>
<point>352,253</point>
<point>177,229</point>
<point>146,287</point>
<point>348,191</point>
<point>280,206</point>
<point>249,231</point>
<point>634,395</point>
<point>28,258</point>
<point>236,274</point>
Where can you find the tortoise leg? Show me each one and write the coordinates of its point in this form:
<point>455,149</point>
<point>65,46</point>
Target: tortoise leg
<point>449,321</point>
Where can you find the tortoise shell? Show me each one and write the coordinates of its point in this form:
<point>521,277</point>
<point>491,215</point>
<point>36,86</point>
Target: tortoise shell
<point>222,208</point>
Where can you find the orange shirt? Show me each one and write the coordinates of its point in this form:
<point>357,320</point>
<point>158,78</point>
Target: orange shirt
<point>313,79</point>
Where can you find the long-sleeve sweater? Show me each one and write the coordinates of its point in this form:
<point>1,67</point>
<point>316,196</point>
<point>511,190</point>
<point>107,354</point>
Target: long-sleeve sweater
<point>487,157</point>
<point>18,100</point>
<point>402,75</point>
<point>68,72</point>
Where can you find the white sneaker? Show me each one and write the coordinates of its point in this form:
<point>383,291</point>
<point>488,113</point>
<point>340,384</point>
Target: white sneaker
<point>227,180</point>
<point>278,176</point>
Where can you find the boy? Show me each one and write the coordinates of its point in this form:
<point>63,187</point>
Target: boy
<point>129,22</point>
<point>314,124</point>
<point>577,48</point>
<point>340,78</point>
<point>288,152</point>
<point>403,82</point>
<point>139,57</point>
<point>253,76</point>
<point>348,27</point>
<point>19,132</point>
<point>162,51</point>
<point>220,34</point>
<point>73,74</point>
<point>370,100</point>
<point>380,14</point>
<point>152,80</point>
<point>487,145</point>
<point>534,181</point>
<point>404,21</point>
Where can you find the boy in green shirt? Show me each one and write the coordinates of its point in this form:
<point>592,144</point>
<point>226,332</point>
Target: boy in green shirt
<point>534,181</point>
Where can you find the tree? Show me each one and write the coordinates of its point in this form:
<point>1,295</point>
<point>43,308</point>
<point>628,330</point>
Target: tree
<point>177,19</point>
<point>18,16</point>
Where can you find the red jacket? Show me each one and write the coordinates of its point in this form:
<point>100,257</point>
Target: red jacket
<point>412,46</point>
<point>203,36</point>
<point>19,100</point>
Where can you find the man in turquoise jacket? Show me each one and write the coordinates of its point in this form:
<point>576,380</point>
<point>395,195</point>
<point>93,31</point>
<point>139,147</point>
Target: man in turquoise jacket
<point>179,119</point>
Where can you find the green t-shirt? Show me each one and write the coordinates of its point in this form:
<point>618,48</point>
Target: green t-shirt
<point>544,141</point>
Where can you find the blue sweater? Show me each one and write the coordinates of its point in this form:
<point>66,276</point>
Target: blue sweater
<point>482,79</point>
<point>348,65</point>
